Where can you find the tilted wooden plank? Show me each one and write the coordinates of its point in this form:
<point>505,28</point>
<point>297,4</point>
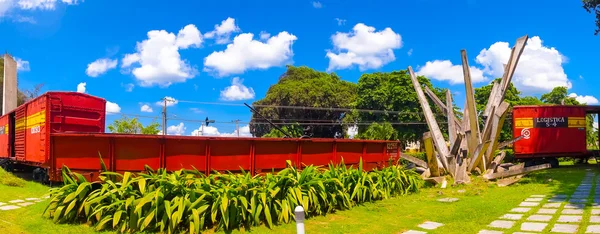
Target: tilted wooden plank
<point>517,51</point>
<point>432,160</point>
<point>492,99</point>
<point>497,123</point>
<point>516,172</point>
<point>507,143</point>
<point>475,137</point>
<point>462,177</point>
<point>497,161</point>
<point>477,158</point>
<point>479,154</point>
<point>414,160</point>
<point>434,128</point>
<point>456,145</point>
<point>443,107</point>
<point>450,118</point>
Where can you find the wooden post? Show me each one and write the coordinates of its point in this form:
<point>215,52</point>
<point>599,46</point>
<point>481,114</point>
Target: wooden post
<point>517,51</point>
<point>443,107</point>
<point>475,137</point>
<point>497,122</point>
<point>516,172</point>
<point>430,153</point>
<point>438,138</point>
<point>450,118</point>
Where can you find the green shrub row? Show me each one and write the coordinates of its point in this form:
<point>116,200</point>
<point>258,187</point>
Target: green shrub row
<point>189,201</point>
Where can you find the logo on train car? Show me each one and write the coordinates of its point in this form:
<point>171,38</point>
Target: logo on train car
<point>551,122</point>
<point>525,133</point>
<point>35,129</point>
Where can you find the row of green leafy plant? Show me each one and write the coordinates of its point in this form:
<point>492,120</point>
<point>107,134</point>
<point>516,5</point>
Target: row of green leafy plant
<point>188,201</point>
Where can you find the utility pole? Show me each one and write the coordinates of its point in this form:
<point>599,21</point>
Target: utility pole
<point>164,120</point>
<point>237,127</point>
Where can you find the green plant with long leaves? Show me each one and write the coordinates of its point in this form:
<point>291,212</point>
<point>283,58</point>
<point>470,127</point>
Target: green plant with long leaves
<point>189,201</point>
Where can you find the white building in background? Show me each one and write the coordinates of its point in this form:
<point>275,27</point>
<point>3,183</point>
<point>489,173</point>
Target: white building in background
<point>412,146</point>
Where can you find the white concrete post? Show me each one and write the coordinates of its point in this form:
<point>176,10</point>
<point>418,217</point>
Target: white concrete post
<point>299,213</point>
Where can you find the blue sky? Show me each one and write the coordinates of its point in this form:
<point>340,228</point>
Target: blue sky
<point>133,53</point>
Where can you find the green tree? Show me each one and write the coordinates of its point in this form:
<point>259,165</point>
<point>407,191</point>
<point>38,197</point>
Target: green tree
<point>376,131</point>
<point>557,96</point>
<point>303,86</point>
<point>593,6</point>
<point>294,131</point>
<point>133,126</point>
<point>512,97</point>
<point>394,91</point>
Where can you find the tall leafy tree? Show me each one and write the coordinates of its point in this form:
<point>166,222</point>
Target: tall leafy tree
<point>593,6</point>
<point>305,87</point>
<point>376,131</point>
<point>394,91</point>
<point>557,96</point>
<point>133,126</point>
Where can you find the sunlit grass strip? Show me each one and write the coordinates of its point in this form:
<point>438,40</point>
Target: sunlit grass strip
<point>189,201</point>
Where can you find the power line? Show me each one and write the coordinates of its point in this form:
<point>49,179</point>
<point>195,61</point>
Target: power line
<point>307,108</point>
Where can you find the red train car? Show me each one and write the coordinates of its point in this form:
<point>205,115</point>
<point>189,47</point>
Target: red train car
<point>67,128</point>
<point>549,132</point>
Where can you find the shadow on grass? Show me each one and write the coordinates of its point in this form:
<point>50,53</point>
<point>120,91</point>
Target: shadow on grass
<point>562,180</point>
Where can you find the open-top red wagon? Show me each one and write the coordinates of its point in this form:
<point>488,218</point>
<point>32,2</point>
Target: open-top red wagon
<point>67,128</point>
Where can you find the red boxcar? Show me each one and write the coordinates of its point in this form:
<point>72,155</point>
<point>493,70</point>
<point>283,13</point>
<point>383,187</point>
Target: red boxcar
<point>67,128</point>
<point>549,131</point>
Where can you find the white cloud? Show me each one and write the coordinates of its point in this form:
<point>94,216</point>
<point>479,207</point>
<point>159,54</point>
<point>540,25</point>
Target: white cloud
<point>245,53</point>
<point>340,22</point>
<point>158,57</point>
<point>22,65</point>
<point>81,87</point>
<point>223,32</point>
<point>409,52</point>
<point>128,87</point>
<point>100,66</point>
<point>170,101</point>
<point>317,4</point>
<point>214,131</point>
<point>196,110</point>
<point>595,125</point>
<point>7,6</point>
<point>112,108</point>
<point>264,36</point>
<point>176,129</point>
<point>539,69</point>
<point>589,100</point>
<point>364,47</point>
<point>146,108</point>
<point>208,131</point>
<point>237,91</point>
<point>446,71</point>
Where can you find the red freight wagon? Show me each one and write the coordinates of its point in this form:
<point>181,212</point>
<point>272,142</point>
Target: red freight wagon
<point>549,132</point>
<point>67,128</point>
<point>25,132</point>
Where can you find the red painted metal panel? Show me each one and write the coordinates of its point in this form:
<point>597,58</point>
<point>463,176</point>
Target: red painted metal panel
<point>187,154</point>
<point>132,154</point>
<point>79,153</point>
<point>549,130</point>
<point>317,153</point>
<point>273,155</point>
<point>230,155</point>
<point>4,145</point>
<point>35,131</point>
<point>349,152</point>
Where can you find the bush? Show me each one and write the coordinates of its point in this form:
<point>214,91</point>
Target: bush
<point>187,200</point>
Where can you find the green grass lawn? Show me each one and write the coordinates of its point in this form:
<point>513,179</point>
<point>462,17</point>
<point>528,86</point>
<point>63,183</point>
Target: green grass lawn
<point>480,203</point>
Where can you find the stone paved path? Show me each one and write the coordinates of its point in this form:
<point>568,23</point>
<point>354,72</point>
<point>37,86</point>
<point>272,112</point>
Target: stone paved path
<point>20,203</point>
<point>558,213</point>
